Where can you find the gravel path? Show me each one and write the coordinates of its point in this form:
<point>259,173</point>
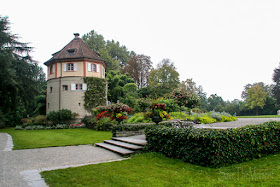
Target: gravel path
<point>21,167</point>
<point>240,122</point>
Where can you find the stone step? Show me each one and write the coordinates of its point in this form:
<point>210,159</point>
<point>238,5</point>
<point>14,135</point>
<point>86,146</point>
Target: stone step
<point>131,140</point>
<point>124,145</point>
<point>116,149</point>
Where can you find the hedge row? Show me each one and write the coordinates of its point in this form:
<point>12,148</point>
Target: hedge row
<point>215,147</point>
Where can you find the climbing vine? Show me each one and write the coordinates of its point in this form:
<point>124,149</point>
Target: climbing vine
<point>95,94</point>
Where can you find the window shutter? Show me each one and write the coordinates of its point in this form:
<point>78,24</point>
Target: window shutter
<point>53,69</point>
<point>75,66</point>
<point>89,66</point>
<point>97,67</point>
<point>64,67</point>
<point>84,86</point>
<point>73,86</point>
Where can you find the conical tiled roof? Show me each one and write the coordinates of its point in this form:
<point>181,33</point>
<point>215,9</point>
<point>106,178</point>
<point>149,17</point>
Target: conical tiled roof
<point>76,49</point>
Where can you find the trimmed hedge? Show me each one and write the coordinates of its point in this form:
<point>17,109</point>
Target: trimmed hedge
<point>215,147</point>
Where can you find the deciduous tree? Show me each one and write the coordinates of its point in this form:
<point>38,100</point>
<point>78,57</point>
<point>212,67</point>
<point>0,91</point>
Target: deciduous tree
<point>256,97</point>
<point>164,78</point>
<point>139,67</point>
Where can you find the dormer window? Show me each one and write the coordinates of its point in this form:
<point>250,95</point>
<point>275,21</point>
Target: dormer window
<point>71,52</point>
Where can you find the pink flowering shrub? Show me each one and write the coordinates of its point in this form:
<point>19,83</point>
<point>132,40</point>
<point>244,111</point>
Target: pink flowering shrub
<point>185,98</point>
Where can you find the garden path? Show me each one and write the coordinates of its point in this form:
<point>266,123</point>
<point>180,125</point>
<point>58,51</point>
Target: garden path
<point>22,167</point>
<point>239,123</point>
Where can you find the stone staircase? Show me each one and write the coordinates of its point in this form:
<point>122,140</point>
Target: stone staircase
<point>124,146</point>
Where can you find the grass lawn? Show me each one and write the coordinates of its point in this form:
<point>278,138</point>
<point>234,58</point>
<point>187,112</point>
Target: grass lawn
<point>261,116</point>
<point>26,139</point>
<point>152,169</point>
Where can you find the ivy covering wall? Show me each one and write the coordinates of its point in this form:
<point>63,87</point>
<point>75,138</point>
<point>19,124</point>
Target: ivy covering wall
<point>95,94</point>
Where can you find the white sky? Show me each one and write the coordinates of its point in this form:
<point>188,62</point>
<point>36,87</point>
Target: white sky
<point>222,44</point>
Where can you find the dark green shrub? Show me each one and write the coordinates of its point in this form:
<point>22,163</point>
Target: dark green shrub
<point>65,114</point>
<point>57,116</point>
<point>53,116</point>
<point>40,120</point>
<point>215,147</point>
<point>104,124</point>
<point>90,122</point>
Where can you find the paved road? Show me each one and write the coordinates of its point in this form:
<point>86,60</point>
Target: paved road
<point>241,122</point>
<point>19,164</point>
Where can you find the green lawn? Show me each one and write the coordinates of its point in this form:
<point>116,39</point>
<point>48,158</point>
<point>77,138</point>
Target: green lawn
<point>26,139</point>
<point>261,116</point>
<point>151,169</point>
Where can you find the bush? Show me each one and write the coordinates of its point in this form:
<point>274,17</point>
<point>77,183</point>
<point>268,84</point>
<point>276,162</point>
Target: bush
<point>215,147</point>
<point>138,118</point>
<point>170,104</point>
<point>62,115</point>
<point>216,115</point>
<point>40,120</point>
<point>104,124</point>
<point>206,120</point>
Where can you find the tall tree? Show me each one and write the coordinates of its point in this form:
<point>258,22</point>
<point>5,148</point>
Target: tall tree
<point>118,52</point>
<point>164,78</point>
<point>139,67</point>
<point>256,97</point>
<point>216,103</point>
<point>116,82</point>
<point>20,77</point>
<point>203,103</point>
<point>276,86</point>
<point>189,85</point>
<point>114,54</point>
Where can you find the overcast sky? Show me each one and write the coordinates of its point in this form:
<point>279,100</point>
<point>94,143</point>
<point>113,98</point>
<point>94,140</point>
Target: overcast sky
<point>222,44</point>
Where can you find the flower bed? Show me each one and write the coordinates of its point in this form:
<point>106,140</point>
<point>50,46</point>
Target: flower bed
<point>213,147</point>
<point>57,126</point>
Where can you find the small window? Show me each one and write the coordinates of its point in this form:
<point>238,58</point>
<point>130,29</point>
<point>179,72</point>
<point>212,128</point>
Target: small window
<point>93,67</point>
<point>50,89</point>
<point>51,69</point>
<point>79,87</point>
<point>48,105</point>
<point>64,87</point>
<point>70,67</point>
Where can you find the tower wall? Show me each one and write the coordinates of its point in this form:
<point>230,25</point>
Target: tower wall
<point>67,99</point>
